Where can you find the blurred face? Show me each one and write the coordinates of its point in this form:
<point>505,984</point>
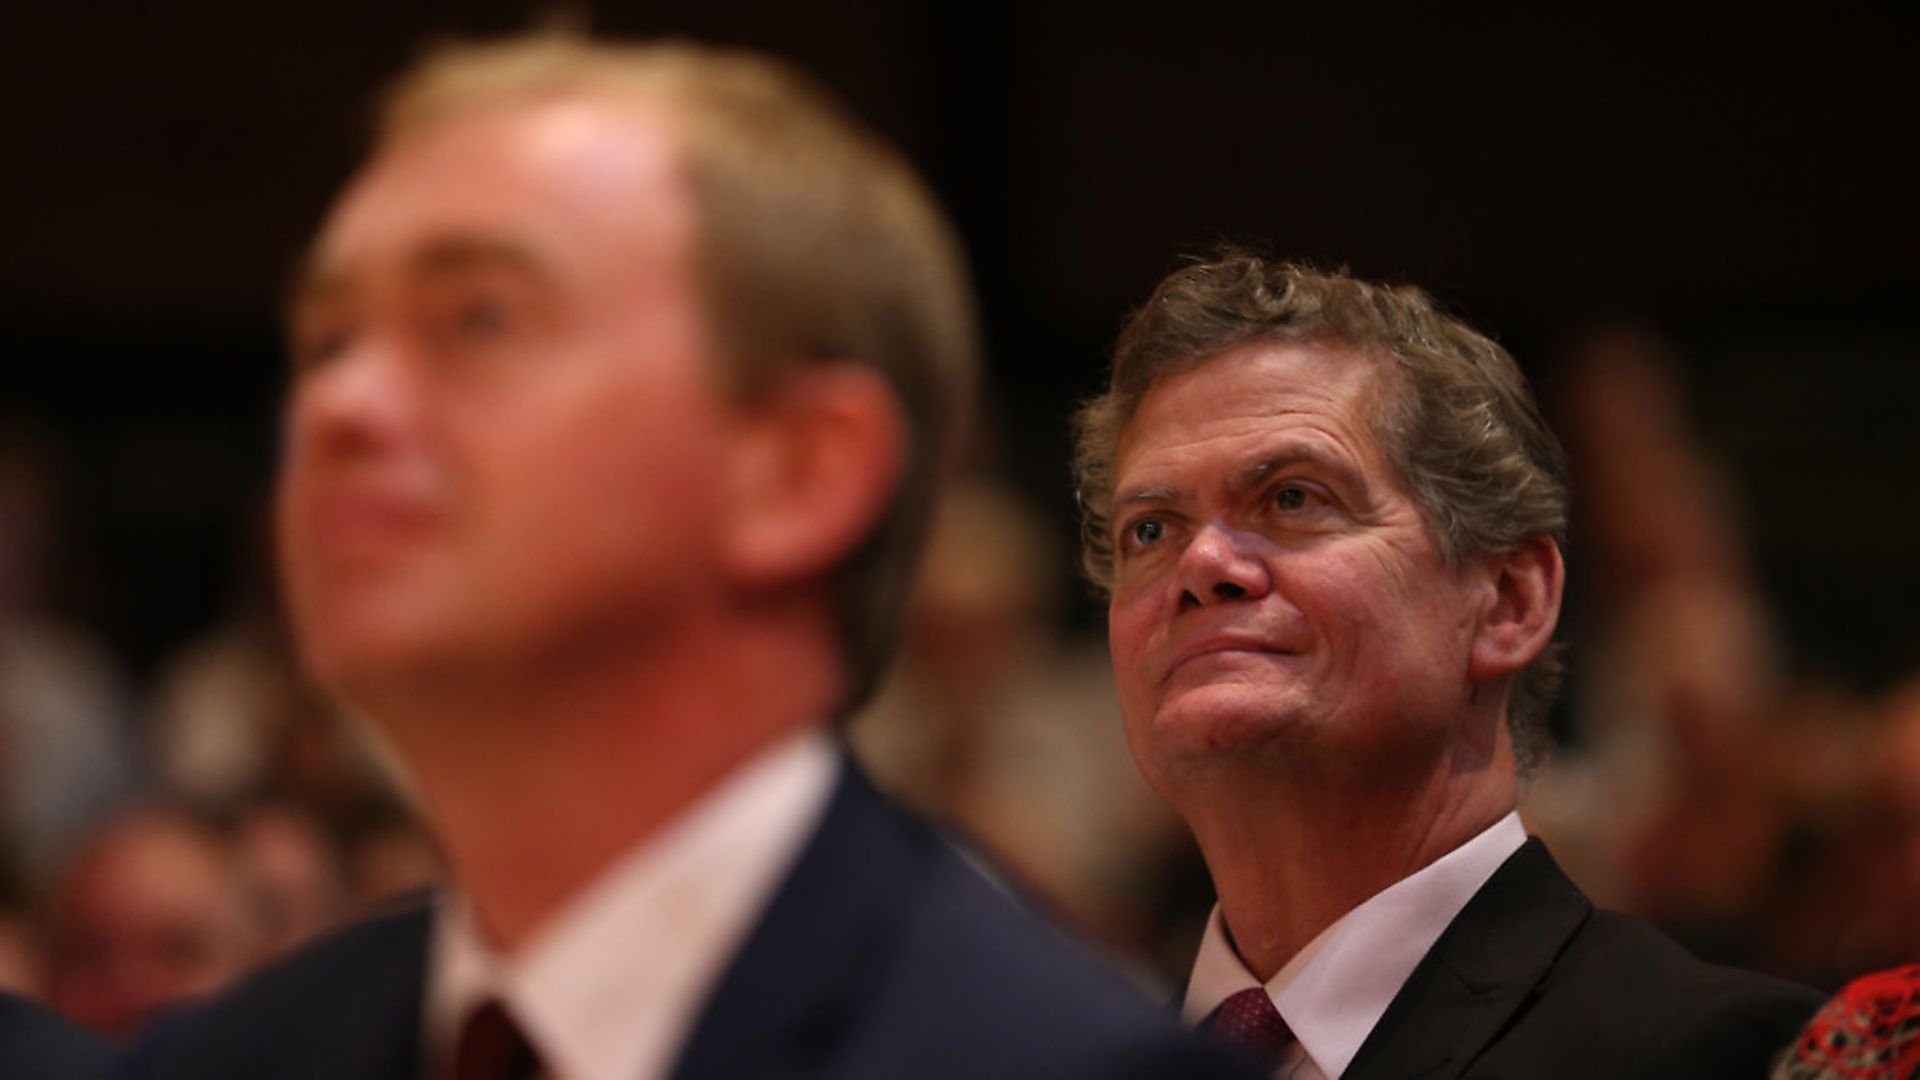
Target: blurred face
<point>503,433</point>
<point>150,918</point>
<point>1276,591</point>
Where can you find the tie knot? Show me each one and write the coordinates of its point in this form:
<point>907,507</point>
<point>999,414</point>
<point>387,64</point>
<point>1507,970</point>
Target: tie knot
<point>1249,1021</point>
<point>492,1047</point>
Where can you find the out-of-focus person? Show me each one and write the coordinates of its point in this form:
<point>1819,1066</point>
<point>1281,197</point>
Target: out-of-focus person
<point>1856,906</point>
<point>20,965</point>
<point>622,378</point>
<point>1330,517</point>
<point>389,856</point>
<point>66,753</point>
<point>292,873</point>
<point>1669,804</point>
<point>150,913</point>
<point>1885,860</point>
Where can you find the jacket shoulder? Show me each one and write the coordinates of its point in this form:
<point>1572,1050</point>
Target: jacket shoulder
<point>1532,980</point>
<point>1695,1018</point>
<point>986,987</point>
<point>35,1042</point>
<point>347,1004</point>
<point>888,951</point>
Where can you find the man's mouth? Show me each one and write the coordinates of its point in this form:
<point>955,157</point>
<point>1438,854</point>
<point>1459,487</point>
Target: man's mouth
<point>1219,645</point>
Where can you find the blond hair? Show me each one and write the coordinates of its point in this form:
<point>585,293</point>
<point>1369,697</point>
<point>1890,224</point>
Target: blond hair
<point>817,242</point>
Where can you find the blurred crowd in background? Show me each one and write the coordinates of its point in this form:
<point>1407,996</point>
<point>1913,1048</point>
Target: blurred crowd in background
<point>163,835</point>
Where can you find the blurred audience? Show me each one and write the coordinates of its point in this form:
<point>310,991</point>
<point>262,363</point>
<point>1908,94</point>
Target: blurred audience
<point>66,750</point>
<point>1660,808</point>
<point>150,912</point>
<point>265,799</point>
<point>1888,845</point>
<point>1764,817</point>
<point>391,854</point>
<point>232,717</point>
<point>291,871</point>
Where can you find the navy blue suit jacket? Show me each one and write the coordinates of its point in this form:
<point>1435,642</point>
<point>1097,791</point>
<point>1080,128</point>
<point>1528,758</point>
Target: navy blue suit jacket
<point>883,955</point>
<point>1531,980</point>
<point>36,1043</point>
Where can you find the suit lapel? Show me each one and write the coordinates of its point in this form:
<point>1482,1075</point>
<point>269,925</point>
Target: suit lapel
<point>792,991</point>
<point>1479,974</point>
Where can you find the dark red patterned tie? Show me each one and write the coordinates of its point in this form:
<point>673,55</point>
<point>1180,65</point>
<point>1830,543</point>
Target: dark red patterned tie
<point>1249,1021</point>
<point>492,1048</point>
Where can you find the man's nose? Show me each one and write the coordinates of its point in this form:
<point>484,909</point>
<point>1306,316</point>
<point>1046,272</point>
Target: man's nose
<point>1222,564</point>
<point>354,405</point>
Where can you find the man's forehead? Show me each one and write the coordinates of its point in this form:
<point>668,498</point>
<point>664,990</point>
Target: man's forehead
<point>580,165</point>
<point>1245,464</point>
<point>1256,388</point>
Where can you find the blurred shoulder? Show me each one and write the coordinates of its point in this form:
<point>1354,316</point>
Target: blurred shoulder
<point>38,1043</point>
<point>347,1004</point>
<point>1014,996</point>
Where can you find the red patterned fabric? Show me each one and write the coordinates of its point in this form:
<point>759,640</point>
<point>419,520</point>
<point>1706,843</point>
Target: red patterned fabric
<point>1249,1020</point>
<point>1871,1029</point>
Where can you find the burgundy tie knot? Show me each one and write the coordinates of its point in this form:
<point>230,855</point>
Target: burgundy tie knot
<point>1249,1021</point>
<point>493,1048</point>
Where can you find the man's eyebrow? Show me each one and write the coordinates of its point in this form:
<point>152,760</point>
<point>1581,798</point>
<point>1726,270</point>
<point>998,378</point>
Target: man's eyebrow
<point>317,278</point>
<point>1252,476</point>
<point>1303,453</point>
<point>1156,493</point>
<point>461,252</point>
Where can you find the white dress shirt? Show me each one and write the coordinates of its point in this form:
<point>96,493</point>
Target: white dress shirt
<point>610,988</point>
<point>1335,990</point>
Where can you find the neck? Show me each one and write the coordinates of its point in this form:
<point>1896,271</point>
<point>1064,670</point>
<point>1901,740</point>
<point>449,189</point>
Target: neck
<point>535,783</point>
<point>1291,855</point>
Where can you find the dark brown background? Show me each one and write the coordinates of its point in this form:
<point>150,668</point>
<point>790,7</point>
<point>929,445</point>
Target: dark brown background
<point>1741,179</point>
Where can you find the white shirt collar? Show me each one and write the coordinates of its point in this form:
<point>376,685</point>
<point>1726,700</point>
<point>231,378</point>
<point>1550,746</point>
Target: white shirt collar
<point>1336,989</point>
<point>610,988</point>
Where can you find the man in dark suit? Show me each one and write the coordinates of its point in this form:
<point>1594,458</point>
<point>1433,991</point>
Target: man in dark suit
<point>622,376</point>
<point>36,1043</point>
<point>1330,518</point>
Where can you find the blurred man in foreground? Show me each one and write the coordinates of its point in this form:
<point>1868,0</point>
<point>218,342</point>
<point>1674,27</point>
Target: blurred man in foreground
<point>622,379</point>
<point>1330,518</point>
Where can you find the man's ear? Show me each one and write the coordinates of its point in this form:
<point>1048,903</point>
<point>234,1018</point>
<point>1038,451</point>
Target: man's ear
<point>815,463</point>
<point>1518,624</point>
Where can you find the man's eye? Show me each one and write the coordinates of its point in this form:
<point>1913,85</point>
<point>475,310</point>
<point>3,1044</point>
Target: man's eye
<point>482,318</point>
<point>1291,497</point>
<point>1146,532</point>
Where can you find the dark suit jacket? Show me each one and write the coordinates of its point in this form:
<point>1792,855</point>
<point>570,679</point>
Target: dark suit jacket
<point>36,1043</point>
<point>883,955</point>
<point>1530,980</point>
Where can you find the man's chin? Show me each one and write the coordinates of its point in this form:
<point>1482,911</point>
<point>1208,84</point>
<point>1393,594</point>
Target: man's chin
<point>1221,724</point>
<point>359,662</point>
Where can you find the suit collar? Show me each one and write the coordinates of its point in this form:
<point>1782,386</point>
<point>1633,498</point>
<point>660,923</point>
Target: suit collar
<point>1479,973</point>
<point>676,906</point>
<point>1335,990</point>
<point>790,992</point>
